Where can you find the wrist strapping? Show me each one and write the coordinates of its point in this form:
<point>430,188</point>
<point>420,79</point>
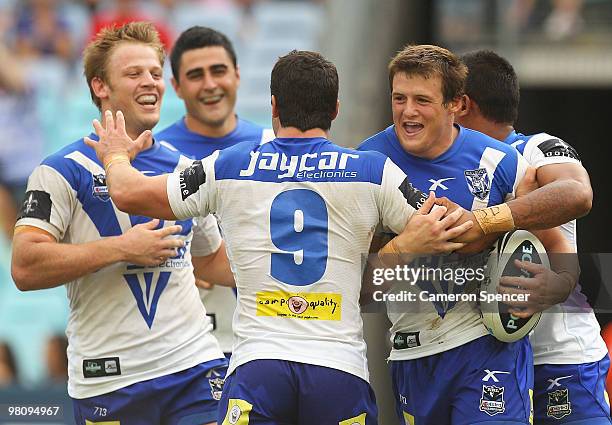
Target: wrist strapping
<point>116,159</point>
<point>495,219</point>
<point>388,249</point>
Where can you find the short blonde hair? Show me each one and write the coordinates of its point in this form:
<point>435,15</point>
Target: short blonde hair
<point>96,54</point>
<point>427,60</point>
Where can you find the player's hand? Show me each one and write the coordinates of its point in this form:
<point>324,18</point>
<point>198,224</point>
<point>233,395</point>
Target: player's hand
<point>529,183</point>
<point>114,139</point>
<point>450,206</point>
<point>543,290</point>
<point>202,284</point>
<point>146,246</point>
<point>429,230</point>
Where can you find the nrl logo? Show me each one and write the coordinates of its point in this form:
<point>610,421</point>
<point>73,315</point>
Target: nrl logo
<point>558,404</point>
<point>92,367</point>
<point>478,182</point>
<point>492,401</point>
<point>100,190</point>
<point>216,387</point>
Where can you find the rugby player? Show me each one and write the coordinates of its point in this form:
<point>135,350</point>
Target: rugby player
<point>140,348</point>
<point>570,357</point>
<point>446,368</point>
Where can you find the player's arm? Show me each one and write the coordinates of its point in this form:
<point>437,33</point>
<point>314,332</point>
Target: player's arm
<point>130,190</point>
<point>578,198</point>
<point>214,268</point>
<point>39,261</point>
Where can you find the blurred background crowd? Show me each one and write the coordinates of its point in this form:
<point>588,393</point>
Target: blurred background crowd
<point>561,49</point>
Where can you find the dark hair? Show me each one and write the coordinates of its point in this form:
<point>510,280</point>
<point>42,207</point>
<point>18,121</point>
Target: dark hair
<point>97,52</point>
<point>305,86</point>
<point>427,60</point>
<point>493,85</point>
<point>195,38</point>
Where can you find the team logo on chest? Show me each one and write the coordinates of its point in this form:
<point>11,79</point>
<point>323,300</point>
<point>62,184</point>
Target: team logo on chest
<point>478,182</point>
<point>99,188</point>
<point>492,401</point>
<point>559,405</point>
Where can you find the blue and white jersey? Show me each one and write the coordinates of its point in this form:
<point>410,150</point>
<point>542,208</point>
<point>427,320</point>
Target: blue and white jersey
<point>127,323</point>
<point>196,146</point>
<point>475,172</point>
<point>567,333</point>
<point>298,215</point>
<point>220,302</point>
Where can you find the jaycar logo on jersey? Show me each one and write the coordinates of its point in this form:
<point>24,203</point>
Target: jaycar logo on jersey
<point>317,165</point>
<point>305,306</point>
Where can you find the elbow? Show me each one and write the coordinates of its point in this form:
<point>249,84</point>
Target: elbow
<point>122,200</point>
<point>584,200</point>
<point>24,281</point>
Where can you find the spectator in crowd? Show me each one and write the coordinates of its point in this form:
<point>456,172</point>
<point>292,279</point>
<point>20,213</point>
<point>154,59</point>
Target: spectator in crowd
<point>42,31</point>
<point>21,137</point>
<point>125,11</point>
<point>8,366</point>
<point>57,359</point>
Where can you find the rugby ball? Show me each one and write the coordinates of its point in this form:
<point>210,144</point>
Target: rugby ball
<point>521,245</point>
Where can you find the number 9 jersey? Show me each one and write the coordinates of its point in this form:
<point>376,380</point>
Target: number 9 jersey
<point>298,217</point>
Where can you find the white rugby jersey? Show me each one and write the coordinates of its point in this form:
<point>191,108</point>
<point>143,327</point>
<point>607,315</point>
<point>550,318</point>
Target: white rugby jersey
<point>298,215</point>
<point>567,333</point>
<point>476,171</point>
<point>220,301</point>
<point>127,323</point>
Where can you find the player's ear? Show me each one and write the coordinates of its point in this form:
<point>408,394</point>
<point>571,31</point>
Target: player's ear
<point>337,111</point>
<point>100,88</point>
<point>274,107</point>
<point>238,74</point>
<point>464,106</point>
<point>176,86</point>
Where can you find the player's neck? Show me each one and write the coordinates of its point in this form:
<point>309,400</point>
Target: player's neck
<point>497,131</point>
<point>207,130</point>
<point>296,133</point>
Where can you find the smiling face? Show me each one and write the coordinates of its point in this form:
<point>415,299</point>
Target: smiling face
<point>134,86</point>
<point>423,123</point>
<point>208,84</point>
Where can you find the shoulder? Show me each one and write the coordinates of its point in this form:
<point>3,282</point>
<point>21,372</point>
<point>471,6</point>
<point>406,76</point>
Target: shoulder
<point>479,141</point>
<point>375,142</point>
<point>169,132</point>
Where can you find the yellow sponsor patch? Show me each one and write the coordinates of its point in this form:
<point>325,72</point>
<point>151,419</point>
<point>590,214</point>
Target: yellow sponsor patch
<point>607,397</point>
<point>531,406</point>
<point>102,423</point>
<point>299,305</point>
<point>408,419</point>
<point>237,412</point>
<point>357,420</point>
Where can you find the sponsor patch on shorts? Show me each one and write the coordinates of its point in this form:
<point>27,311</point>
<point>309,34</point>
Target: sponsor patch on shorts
<point>299,305</point>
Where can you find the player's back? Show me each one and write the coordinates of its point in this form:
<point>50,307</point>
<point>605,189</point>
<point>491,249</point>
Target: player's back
<point>298,215</point>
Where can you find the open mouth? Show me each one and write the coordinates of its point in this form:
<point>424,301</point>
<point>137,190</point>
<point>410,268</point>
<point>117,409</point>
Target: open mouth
<point>211,100</point>
<point>147,99</point>
<point>412,128</point>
